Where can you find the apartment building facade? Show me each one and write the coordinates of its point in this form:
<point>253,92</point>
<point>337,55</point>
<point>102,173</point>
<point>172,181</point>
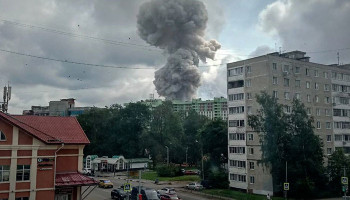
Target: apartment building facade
<point>213,109</point>
<point>323,89</point>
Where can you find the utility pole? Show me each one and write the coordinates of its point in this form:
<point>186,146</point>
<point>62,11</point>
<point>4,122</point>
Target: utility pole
<point>186,155</point>
<point>167,155</point>
<point>202,164</point>
<point>286,192</point>
<point>6,98</point>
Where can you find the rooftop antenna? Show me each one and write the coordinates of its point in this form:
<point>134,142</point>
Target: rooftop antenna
<point>6,98</point>
<point>280,50</point>
<point>338,57</point>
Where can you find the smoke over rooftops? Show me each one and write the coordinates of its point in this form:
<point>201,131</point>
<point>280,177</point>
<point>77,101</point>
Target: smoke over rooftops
<point>177,27</point>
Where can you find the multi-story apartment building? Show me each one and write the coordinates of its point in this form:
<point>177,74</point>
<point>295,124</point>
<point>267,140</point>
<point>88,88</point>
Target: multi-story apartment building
<point>213,109</point>
<point>324,90</point>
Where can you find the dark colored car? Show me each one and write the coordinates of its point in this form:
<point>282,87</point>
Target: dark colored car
<point>147,194</point>
<point>118,194</point>
<point>207,184</point>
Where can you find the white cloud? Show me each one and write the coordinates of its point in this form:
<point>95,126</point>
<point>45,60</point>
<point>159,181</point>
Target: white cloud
<point>312,26</point>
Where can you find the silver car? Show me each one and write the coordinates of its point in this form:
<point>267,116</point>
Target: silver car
<point>194,186</point>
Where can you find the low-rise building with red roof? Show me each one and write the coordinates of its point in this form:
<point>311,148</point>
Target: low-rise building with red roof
<point>41,158</point>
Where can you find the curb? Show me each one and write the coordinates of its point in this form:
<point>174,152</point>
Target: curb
<point>204,194</point>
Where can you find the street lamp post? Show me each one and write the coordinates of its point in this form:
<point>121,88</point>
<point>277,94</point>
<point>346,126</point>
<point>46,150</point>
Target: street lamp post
<point>186,155</point>
<point>167,155</point>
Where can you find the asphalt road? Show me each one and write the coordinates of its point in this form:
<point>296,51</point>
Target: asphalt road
<point>104,194</point>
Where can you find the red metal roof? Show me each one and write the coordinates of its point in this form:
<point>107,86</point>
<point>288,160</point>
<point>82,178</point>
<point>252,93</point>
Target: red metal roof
<point>49,129</point>
<point>74,179</point>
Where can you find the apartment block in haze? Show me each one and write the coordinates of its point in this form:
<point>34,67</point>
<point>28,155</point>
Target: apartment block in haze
<point>324,89</point>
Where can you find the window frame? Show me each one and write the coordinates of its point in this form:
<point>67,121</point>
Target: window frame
<point>23,170</point>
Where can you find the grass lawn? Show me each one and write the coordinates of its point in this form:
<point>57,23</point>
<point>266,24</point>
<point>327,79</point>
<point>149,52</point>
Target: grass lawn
<point>237,194</point>
<point>152,175</point>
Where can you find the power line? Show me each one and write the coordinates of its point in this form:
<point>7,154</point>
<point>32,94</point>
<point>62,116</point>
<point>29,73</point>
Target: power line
<point>73,62</point>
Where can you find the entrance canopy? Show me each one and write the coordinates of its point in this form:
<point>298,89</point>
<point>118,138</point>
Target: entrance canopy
<point>73,179</point>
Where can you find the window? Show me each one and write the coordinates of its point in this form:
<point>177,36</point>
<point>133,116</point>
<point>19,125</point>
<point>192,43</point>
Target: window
<point>274,80</point>
<point>251,150</point>
<point>248,83</point>
<point>286,95</point>
<point>307,72</point>
<point>274,66</point>
<point>338,137</point>
<point>286,82</point>
<point>329,151</point>
<point>334,75</point>
<point>307,84</point>
<point>328,125</point>
<point>316,99</point>
<point>22,198</point>
<point>287,109</point>
<point>237,150</point>
<point>235,71</point>
<point>308,110</point>
<point>275,94</point>
<point>238,177</point>
<point>327,113</point>
<point>297,96</point>
<point>23,172</point>
<point>327,100</point>
<point>286,68</point>
<point>236,123</point>
<point>251,165</point>
<point>252,180</point>
<point>316,73</point>
<point>325,75</point>
<point>4,173</point>
<point>318,111</point>
<point>316,86</point>
<point>237,163</point>
<point>250,136</point>
<point>237,136</point>
<point>329,138</point>
<point>248,69</point>
<point>235,84</point>
<point>2,136</point>
<point>308,98</point>
<point>249,109</point>
<point>297,70</point>
<point>326,87</point>
<point>249,96</point>
<point>235,110</point>
<point>297,83</point>
<point>318,124</point>
<point>236,97</point>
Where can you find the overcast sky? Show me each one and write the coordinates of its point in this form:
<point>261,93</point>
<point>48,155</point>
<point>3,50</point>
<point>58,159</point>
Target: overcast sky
<point>104,32</point>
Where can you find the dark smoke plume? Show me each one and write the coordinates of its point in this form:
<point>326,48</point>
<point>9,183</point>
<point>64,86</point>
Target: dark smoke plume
<point>177,26</point>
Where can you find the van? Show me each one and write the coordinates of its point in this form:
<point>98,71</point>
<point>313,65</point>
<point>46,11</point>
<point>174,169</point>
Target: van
<point>147,193</point>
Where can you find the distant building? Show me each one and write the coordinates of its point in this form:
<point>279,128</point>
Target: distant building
<point>64,107</point>
<point>116,163</point>
<point>213,109</point>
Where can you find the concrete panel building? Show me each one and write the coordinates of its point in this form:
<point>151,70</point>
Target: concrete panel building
<point>322,88</point>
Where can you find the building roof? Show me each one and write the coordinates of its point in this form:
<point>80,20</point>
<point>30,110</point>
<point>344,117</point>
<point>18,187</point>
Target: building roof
<point>73,179</point>
<point>51,130</point>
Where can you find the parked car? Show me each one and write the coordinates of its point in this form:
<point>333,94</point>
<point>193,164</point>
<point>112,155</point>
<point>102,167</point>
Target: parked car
<point>194,186</point>
<point>166,191</point>
<point>192,172</point>
<point>207,184</point>
<point>147,193</point>
<point>169,197</point>
<point>118,194</point>
<point>104,183</point>
<point>87,172</point>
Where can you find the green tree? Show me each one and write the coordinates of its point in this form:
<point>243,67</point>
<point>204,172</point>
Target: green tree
<point>213,138</point>
<point>336,163</point>
<point>289,138</point>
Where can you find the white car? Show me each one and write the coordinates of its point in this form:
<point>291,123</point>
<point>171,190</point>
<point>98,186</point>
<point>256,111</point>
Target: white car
<point>165,191</point>
<point>194,186</point>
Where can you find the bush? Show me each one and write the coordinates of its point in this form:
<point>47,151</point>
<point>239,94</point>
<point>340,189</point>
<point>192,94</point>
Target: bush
<point>168,171</point>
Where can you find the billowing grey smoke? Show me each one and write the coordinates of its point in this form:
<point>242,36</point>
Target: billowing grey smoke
<point>177,26</point>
